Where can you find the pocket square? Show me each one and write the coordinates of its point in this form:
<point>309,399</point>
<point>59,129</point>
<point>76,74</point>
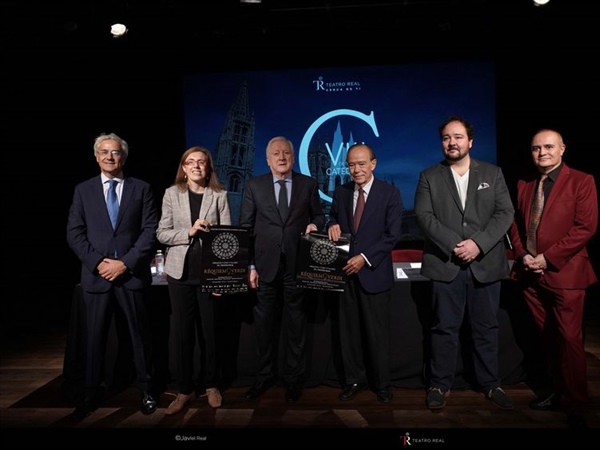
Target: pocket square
<point>483,186</point>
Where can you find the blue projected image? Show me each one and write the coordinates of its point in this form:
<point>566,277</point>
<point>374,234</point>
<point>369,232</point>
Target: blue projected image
<point>396,109</point>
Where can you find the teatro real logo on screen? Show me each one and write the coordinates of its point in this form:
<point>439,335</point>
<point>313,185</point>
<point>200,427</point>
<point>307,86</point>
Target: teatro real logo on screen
<point>323,85</point>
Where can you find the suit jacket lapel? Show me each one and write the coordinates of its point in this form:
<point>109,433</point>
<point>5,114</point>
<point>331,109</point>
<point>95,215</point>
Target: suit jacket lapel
<point>451,185</point>
<point>269,190</point>
<point>474,181</point>
<point>295,191</point>
<point>126,195</point>
<point>528,192</point>
<point>558,187</point>
<point>99,187</point>
<point>183,200</point>
<point>369,206</point>
<point>207,200</point>
<point>348,201</point>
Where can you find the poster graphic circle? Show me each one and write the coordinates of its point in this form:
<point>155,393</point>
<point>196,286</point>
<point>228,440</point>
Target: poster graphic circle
<point>225,245</point>
<point>323,252</point>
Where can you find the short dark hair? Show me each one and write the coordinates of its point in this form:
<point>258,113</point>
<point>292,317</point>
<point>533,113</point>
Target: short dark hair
<point>468,126</point>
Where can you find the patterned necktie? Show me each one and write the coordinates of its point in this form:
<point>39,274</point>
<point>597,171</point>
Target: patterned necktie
<point>112,202</point>
<point>360,207</point>
<point>282,203</point>
<point>535,215</point>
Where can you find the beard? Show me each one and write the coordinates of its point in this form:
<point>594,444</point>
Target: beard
<point>456,157</point>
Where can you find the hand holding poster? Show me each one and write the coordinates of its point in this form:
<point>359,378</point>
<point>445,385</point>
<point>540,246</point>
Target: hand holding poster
<point>225,259</point>
<point>320,261</point>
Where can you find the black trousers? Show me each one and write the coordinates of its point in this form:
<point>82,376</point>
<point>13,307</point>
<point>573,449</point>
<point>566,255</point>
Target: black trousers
<point>365,335</point>
<point>97,315</point>
<point>280,299</point>
<point>480,303</point>
<point>195,319</point>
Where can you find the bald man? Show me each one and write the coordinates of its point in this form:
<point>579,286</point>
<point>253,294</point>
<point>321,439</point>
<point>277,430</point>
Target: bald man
<point>555,273</point>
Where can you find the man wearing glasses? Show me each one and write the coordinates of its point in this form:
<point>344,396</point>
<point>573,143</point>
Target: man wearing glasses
<point>111,228</point>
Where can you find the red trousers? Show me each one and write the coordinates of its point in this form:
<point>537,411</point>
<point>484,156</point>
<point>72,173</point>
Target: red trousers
<point>558,316</point>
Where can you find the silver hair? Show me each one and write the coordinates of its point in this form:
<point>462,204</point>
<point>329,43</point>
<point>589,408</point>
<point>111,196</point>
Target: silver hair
<point>279,138</point>
<point>113,137</point>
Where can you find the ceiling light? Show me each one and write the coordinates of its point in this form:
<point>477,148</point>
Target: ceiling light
<point>117,30</point>
<point>540,2</point>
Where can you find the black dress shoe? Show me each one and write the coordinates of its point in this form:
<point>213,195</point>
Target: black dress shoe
<point>547,403</point>
<point>292,393</point>
<point>351,390</point>
<point>149,404</point>
<point>258,389</point>
<point>83,410</point>
<point>385,395</point>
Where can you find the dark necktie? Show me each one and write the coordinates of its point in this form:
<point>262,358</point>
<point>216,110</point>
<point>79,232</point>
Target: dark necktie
<point>282,204</point>
<point>535,215</point>
<point>360,207</point>
<point>112,202</point>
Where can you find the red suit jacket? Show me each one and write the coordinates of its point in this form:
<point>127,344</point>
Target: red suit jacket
<point>568,222</point>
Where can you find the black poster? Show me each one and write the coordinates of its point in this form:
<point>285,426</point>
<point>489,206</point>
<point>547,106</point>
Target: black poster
<point>225,259</point>
<point>320,262</point>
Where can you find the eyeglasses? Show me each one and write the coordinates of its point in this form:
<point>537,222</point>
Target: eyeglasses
<point>115,153</point>
<point>193,162</point>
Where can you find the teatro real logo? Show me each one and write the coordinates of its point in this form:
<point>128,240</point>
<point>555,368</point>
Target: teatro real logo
<point>336,86</point>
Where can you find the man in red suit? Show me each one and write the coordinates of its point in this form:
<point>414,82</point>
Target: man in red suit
<point>555,272</point>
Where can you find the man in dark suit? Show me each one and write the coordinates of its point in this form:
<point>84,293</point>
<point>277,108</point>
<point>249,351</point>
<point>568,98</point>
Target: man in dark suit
<point>279,206</point>
<point>464,209</point>
<point>555,272</point>
<point>374,224</point>
<point>115,264</point>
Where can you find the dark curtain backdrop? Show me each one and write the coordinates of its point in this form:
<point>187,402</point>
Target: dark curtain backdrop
<point>58,94</point>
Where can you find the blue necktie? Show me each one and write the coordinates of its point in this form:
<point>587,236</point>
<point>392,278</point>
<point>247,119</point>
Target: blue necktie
<point>112,202</point>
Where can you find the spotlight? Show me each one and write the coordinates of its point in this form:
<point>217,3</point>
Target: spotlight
<point>117,30</point>
<point>540,2</point>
